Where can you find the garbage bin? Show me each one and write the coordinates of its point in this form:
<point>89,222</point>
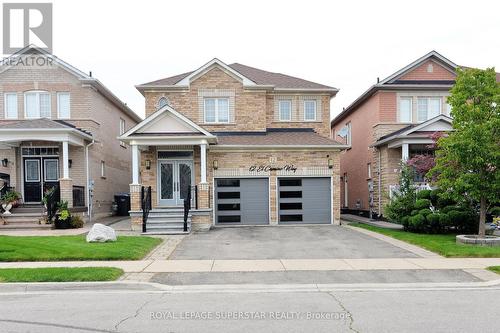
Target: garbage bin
<point>123,204</point>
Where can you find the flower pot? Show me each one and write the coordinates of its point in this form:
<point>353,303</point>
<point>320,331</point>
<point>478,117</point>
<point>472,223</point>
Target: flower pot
<point>15,203</point>
<point>62,224</point>
<point>7,207</point>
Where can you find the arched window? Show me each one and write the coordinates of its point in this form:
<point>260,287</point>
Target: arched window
<point>162,102</point>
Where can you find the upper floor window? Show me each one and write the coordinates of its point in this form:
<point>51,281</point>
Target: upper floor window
<point>309,110</point>
<point>36,104</point>
<point>63,105</point>
<point>216,110</point>
<point>405,109</point>
<point>162,102</point>
<point>428,107</point>
<point>349,133</point>
<point>122,130</point>
<point>10,106</point>
<point>285,110</point>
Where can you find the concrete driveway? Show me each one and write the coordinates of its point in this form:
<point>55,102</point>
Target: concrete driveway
<point>290,242</point>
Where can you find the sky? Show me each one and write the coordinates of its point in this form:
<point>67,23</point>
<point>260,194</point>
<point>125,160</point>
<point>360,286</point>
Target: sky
<point>345,44</point>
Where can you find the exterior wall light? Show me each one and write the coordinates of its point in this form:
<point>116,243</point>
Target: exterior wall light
<point>5,162</point>
<point>148,164</point>
<point>70,163</point>
<point>330,163</point>
<point>215,164</point>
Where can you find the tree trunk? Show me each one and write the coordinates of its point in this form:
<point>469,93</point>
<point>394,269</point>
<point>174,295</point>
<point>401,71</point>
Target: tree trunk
<point>482,217</point>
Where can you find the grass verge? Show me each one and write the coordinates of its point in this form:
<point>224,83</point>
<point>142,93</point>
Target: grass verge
<point>63,248</point>
<point>60,274</point>
<point>495,269</point>
<point>444,245</point>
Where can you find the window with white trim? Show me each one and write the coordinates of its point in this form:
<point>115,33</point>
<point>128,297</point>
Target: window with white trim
<point>428,107</point>
<point>369,166</point>
<point>405,109</point>
<point>310,110</point>
<point>36,104</point>
<point>63,105</point>
<point>285,110</point>
<point>216,110</point>
<point>10,106</point>
<point>122,130</point>
<point>349,133</point>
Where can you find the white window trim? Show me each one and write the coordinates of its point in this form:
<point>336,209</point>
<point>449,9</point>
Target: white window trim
<point>26,168</point>
<point>428,98</point>
<point>122,130</point>
<point>315,109</point>
<point>6,116</point>
<point>369,167</point>
<point>289,101</point>
<point>58,104</point>
<point>411,109</point>
<point>45,170</point>
<point>217,120</point>
<point>103,169</point>
<point>38,93</point>
<point>349,133</point>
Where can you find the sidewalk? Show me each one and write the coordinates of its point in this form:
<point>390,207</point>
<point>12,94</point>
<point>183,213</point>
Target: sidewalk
<point>365,220</point>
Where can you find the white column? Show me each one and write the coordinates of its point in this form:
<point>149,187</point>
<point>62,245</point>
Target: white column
<point>65,160</point>
<point>135,164</point>
<point>203,160</point>
<point>405,152</point>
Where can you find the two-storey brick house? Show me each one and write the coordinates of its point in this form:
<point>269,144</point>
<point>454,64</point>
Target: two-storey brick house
<point>59,126</point>
<point>251,146</point>
<point>389,123</point>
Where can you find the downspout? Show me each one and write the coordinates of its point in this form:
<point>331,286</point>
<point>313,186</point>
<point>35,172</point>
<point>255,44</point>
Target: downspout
<point>379,184</point>
<point>87,192</point>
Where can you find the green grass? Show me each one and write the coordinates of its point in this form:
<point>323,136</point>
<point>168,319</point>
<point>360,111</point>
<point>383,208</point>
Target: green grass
<point>495,269</point>
<point>444,245</point>
<point>60,274</point>
<point>61,248</point>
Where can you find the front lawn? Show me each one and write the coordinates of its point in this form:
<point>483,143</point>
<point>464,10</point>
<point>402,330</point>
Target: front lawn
<point>443,244</point>
<point>60,274</point>
<point>59,248</point>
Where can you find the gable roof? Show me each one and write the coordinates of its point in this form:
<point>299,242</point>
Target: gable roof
<point>250,76</point>
<point>392,82</point>
<point>138,130</point>
<point>426,126</point>
<point>85,78</point>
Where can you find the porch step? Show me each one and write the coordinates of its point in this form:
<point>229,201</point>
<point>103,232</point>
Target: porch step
<point>25,226</point>
<point>28,209</point>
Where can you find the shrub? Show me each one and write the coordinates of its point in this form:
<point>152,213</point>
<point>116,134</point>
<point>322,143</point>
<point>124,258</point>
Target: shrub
<point>414,212</point>
<point>424,194</point>
<point>422,203</point>
<point>443,202</point>
<point>434,223</point>
<point>425,212</point>
<point>396,209</point>
<point>448,209</point>
<point>417,223</point>
<point>434,196</point>
<point>405,221</point>
<point>444,221</point>
<point>76,222</point>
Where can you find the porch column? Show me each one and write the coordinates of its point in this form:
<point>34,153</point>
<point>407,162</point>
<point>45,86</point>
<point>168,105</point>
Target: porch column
<point>65,160</point>
<point>203,160</point>
<point>405,152</point>
<point>135,164</point>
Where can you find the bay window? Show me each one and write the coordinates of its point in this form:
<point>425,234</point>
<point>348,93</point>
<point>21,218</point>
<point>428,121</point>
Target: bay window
<point>37,104</point>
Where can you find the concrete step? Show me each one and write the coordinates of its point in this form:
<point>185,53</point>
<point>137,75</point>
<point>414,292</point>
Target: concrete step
<point>167,232</point>
<point>22,220</point>
<point>166,224</point>
<point>25,226</point>
<point>22,210</point>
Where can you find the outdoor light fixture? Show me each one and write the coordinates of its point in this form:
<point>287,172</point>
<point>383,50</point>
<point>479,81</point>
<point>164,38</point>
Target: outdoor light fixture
<point>215,164</point>
<point>5,162</point>
<point>70,163</point>
<point>330,163</point>
<point>148,164</point>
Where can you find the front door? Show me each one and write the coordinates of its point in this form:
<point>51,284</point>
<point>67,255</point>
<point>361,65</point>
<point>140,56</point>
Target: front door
<point>40,174</point>
<point>174,181</point>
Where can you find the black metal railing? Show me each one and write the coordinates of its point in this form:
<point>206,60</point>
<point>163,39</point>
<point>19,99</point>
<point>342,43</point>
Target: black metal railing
<point>145,205</point>
<point>187,207</point>
<point>52,201</point>
<point>194,196</point>
<point>78,196</point>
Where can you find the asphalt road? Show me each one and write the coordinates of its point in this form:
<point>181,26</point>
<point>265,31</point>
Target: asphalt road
<point>146,309</point>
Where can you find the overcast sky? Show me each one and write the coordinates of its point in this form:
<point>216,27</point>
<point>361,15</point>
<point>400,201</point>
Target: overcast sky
<point>345,44</point>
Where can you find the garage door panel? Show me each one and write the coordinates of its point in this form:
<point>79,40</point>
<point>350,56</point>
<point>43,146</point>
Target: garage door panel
<point>250,201</point>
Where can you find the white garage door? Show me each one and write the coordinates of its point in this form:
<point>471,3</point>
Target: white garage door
<point>304,200</point>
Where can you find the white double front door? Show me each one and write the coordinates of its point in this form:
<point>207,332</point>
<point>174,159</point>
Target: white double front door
<point>175,178</point>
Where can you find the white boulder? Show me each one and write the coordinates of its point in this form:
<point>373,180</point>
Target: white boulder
<point>101,233</point>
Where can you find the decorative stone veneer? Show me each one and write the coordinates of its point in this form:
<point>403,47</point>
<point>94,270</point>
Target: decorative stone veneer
<point>66,189</point>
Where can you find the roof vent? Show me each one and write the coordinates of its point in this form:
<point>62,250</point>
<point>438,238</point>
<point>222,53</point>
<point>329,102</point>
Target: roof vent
<point>378,80</point>
<point>90,73</point>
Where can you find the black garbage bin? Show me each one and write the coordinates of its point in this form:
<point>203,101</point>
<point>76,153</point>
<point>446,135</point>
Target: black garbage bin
<point>123,204</point>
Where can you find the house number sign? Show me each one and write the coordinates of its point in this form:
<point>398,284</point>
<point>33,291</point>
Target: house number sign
<point>267,168</point>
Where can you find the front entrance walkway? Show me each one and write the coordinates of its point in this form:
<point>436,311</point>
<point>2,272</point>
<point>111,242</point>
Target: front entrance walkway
<point>290,242</point>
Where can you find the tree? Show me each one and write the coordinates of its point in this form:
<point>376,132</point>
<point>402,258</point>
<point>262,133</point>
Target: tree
<point>468,159</point>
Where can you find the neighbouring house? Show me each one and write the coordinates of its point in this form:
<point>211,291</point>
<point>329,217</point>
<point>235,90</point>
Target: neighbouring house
<point>392,122</point>
<point>250,147</point>
<point>59,127</point>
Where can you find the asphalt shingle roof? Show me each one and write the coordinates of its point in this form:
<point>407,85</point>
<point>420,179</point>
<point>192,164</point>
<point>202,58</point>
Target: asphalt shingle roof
<point>275,137</point>
<point>38,123</point>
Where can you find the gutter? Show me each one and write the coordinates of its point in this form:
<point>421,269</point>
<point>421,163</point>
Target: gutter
<point>87,192</point>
